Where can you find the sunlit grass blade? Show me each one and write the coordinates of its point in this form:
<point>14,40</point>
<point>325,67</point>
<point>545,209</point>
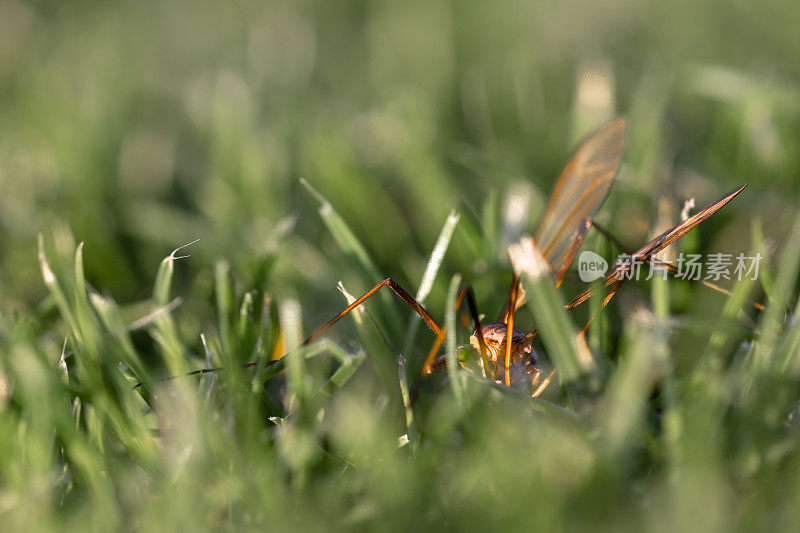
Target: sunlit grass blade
<point>298,445</point>
<point>349,365</point>
<point>51,282</point>
<point>245,331</point>
<point>82,308</point>
<point>411,427</point>
<point>290,318</point>
<point>164,330</point>
<point>428,277</point>
<point>166,271</point>
<point>456,379</point>
<point>553,322</point>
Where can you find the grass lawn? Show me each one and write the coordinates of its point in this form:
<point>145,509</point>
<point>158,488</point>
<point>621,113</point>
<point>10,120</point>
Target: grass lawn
<point>294,154</point>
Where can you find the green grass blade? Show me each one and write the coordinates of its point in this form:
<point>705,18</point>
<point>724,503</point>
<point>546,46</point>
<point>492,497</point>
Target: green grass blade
<point>429,276</point>
<point>451,349</point>
<point>555,326</point>
<point>51,282</point>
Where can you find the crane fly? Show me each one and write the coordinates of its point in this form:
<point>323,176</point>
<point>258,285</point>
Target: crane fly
<point>506,354</point>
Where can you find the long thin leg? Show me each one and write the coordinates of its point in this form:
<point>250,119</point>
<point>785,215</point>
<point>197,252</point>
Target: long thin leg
<point>512,298</point>
<point>399,291</point>
<point>407,298</point>
<point>211,370</point>
<point>465,292</point>
<point>511,307</point>
<point>192,373</point>
<point>566,259</point>
<point>607,298</point>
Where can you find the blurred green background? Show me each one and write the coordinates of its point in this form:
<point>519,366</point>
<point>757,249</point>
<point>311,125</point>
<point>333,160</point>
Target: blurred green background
<point>137,127</point>
<point>140,126</point>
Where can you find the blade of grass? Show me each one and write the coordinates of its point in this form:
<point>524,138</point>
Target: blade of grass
<point>164,331</point>
<point>349,366</point>
<point>411,426</point>
<point>428,277</point>
<point>83,312</point>
<point>246,334</point>
<point>57,292</point>
<point>456,381</point>
<point>555,325</point>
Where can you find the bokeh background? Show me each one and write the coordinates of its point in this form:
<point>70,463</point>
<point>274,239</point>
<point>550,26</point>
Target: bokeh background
<point>139,126</point>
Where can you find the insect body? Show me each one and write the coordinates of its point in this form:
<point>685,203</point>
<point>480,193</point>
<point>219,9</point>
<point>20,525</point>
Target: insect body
<point>524,366</point>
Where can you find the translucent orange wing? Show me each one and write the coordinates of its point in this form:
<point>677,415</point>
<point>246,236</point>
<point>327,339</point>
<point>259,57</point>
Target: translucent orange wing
<point>579,192</point>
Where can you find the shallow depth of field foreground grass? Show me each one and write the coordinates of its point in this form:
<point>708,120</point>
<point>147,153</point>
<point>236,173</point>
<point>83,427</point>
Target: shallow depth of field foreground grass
<point>306,143</point>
